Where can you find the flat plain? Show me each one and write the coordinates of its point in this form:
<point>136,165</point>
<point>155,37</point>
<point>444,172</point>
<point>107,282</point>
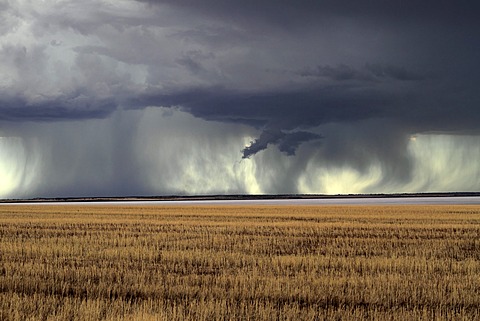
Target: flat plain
<point>239,262</point>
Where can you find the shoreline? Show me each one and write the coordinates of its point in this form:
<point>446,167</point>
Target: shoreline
<point>199,199</point>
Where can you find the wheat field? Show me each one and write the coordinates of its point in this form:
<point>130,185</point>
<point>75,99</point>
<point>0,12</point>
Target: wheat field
<point>239,262</point>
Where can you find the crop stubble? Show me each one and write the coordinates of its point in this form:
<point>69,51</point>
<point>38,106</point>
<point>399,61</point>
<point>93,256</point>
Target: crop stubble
<point>239,262</point>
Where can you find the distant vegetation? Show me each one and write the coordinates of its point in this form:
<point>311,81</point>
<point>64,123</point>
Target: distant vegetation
<point>239,263</point>
<point>238,197</point>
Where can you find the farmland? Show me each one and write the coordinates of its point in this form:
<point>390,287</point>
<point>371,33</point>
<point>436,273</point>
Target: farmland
<point>239,262</point>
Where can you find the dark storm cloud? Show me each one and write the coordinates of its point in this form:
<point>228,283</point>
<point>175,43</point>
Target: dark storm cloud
<point>337,82</point>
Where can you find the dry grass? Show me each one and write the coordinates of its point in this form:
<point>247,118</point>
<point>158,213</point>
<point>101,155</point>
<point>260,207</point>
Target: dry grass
<point>240,263</point>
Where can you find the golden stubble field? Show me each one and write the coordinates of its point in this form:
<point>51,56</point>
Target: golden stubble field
<point>239,263</point>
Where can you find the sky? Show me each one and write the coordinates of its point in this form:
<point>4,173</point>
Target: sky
<point>188,97</point>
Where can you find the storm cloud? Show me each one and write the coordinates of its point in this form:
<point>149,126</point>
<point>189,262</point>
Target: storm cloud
<point>286,97</point>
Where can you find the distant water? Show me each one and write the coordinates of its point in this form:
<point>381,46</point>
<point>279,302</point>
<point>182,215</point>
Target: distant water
<point>443,200</point>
